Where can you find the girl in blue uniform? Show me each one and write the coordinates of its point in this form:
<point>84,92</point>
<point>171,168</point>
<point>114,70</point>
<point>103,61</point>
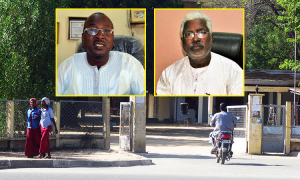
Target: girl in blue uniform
<point>33,136</point>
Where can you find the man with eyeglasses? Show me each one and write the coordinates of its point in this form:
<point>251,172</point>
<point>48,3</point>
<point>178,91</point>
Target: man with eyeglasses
<point>201,72</point>
<point>100,71</point>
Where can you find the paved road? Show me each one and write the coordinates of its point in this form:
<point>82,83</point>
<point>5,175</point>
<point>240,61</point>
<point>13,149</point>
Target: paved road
<point>177,153</point>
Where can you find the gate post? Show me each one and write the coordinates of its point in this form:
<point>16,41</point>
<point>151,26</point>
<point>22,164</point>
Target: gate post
<point>255,115</point>
<point>56,108</point>
<point>106,121</point>
<point>138,124</point>
<point>288,128</point>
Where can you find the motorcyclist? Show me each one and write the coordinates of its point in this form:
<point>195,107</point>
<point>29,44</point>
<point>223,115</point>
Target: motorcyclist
<point>222,121</point>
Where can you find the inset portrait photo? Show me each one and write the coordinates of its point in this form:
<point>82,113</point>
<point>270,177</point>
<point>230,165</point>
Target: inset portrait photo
<point>100,52</point>
<point>199,52</point>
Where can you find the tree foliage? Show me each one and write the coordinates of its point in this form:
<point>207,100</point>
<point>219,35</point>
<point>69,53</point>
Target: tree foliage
<point>27,46</point>
<point>222,3</point>
<point>266,45</point>
<point>291,24</point>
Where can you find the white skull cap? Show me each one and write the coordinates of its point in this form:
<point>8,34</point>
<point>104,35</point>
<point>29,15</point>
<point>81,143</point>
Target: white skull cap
<point>47,101</point>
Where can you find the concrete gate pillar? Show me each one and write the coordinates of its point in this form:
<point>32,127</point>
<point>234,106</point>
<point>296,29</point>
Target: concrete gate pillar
<point>56,109</point>
<point>254,123</point>
<point>106,121</point>
<point>288,124</point>
<point>138,124</point>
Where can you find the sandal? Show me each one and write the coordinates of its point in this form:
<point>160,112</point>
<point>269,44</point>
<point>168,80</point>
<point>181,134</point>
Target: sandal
<point>47,157</point>
<point>40,156</point>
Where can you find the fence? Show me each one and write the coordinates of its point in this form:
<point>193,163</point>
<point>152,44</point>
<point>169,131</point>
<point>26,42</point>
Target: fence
<point>76,118</point>
<point>3,118</point>
<point>273,115</point>
<point>295,132</point>
<point>81,117</point>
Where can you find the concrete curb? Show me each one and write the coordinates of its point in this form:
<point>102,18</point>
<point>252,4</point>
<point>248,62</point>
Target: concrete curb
<point>64,163</point>
<point>68,163</point>
<point>295,154</point>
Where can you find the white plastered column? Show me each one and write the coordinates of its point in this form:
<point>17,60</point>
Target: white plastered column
<point>210,106</point>
<point>200,109</point>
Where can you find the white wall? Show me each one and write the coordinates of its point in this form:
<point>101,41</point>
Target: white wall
<point>151,106</point>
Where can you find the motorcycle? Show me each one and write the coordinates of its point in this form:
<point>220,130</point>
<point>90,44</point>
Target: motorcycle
<point>224,143</point>
<point>224,146</point>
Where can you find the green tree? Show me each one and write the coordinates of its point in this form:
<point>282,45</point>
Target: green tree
<point>291,24</point>
<point>27,46</point>
<point>15,67</point>
<point>266,45</point>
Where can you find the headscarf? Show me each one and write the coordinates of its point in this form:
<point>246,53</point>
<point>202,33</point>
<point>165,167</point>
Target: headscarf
<point>34,101</point>
<point>47,101</point>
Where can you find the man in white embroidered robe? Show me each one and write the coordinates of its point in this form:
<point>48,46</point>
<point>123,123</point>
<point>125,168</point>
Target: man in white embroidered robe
<point>100,71</point>
<point>201,72</point>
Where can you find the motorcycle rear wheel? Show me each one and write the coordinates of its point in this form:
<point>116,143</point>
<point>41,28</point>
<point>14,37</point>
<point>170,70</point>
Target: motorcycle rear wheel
<point>223,157</point>
<point>218,158</point>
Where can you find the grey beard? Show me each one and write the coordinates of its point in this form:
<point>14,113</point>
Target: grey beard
<point>195,58</point>
<point>197,43</point>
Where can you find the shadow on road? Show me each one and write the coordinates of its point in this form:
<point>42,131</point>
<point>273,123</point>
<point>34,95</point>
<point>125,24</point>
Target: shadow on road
<point>163,142</point>
<point>174,132</point>
<point>183,156</point>
<point>251,164</point>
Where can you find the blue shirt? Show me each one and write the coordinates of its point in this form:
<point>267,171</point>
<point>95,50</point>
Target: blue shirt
<point>46,116</point>
<point>223,121</point>
<point>35,122</point>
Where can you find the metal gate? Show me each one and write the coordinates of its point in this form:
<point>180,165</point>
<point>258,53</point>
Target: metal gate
<point>79,118</point>
<point>295,122</point>
<point>125,136</point>
<point>273,132</point>
<point>239,133</point>
<point>240,111</point>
